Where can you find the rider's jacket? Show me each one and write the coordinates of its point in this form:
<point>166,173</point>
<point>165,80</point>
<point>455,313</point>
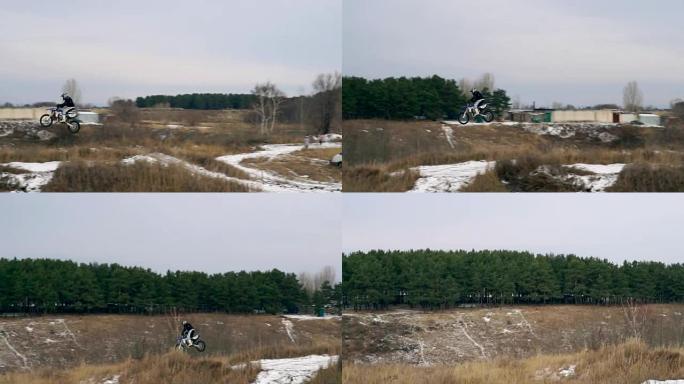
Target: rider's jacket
<point>187,327</point>
<point>476,97</point>
<point>68,102</point>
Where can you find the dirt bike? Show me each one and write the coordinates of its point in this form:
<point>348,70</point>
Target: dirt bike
<point>71,119</point>
<point>469,113</point>
<point>197,343</point>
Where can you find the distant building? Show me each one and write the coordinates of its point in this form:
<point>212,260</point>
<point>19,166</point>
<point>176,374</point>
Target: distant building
<point>542,115</point>
<point>650,119</point>
<point>87,117</point>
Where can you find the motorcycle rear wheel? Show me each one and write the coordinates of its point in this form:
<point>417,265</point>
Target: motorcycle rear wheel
<point>73,126</point>
<point>488,116</point>
<point>46,120</point>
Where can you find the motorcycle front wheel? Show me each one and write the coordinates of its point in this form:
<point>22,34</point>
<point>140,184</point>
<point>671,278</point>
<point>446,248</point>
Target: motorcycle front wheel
<point>488,116</point>
<point>73,126</point>
<point>200,345</point>
<point>464,118</point>
<point>46,120</point>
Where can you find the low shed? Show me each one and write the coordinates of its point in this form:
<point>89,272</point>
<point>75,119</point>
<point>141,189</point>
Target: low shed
<point>650,119</point>
<point>88,117</point>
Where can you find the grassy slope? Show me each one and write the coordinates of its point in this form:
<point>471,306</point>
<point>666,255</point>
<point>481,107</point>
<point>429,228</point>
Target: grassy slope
<point>374,149</point>
<point>202,136</point>
<point>629,363</point>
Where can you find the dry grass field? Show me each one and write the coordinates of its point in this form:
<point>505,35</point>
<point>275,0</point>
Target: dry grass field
<point>526,344</point>
<point>139,349</point>
<point>456,336</point>
<point>184,146</point>
<point>380,154</point>
<point>632,362</point>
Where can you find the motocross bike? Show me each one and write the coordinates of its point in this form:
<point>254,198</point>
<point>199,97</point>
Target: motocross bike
<point>470,113</point>
<point>71,119</point>
<point>182,345</point>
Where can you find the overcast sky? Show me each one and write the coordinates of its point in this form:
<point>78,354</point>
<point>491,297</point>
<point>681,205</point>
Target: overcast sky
<point>613,226</point>
<point>581,52</point>
<point>213,233</point>
<point>134,48</point>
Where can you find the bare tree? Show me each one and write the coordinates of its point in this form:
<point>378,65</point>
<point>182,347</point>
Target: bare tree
<point>267,105</point>
<point>516,103</point>
<point>632,97</point>
<point>124,110</point>
<point>465,85</point>
<point>72,89</point>
<point>636,316</point>
<point>313,282</point>
<point>557,105</point>
<point>328,88</point>
<point>486,81</point>
<point>678,109</point>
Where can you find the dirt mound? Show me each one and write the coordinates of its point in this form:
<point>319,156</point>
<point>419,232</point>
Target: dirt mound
<point>425,338</point>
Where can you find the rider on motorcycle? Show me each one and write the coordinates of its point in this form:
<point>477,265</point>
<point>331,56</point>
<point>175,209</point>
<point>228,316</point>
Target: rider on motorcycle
<point>476,100</point>
<point>188,333</point>
<point>65,107</point>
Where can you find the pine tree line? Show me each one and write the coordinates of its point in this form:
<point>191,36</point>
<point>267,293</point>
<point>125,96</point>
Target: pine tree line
<point>198,101</point>
<point>443,279</point>
<point>405,98</point>
<point>57,286</point>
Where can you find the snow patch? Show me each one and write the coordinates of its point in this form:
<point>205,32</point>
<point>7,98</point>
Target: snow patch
<point>271,182</point>
<point>113,380</point>
<point>309,317</point>
<point>36,177</point>
<point>567,372</point>
<point>569,130</point>
<point>449,133</point>
<point>166,160</point>
<point>449,177</point>
<point>23,358</point>
<point>604,176</point>
<point>289,328</point>
<point>297,370</point>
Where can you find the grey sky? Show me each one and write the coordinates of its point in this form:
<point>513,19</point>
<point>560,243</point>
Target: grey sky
<point>132,48</point>
<point>213,233</point>
<point>614,226</point>
<point>581,52</point>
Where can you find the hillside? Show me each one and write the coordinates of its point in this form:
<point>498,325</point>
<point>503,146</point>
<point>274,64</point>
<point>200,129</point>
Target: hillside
<point>629,363</point>
<point>66,341</point>
<point>167,150</point>
<point>460,335</point>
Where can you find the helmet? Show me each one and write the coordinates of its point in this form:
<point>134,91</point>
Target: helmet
<point>473,90</point>
<point>64,95</point>
<point>184,322</point>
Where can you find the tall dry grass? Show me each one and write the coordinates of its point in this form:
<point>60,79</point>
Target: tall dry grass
<point>330,375</point>
<point>645,177</point>
<point>81,176</point>
<point>372,178</point>
<point>291,166</point>
<point>173,367</point>
<point>629,363</point>
<point>486,182</point>
<point>388,146</point>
